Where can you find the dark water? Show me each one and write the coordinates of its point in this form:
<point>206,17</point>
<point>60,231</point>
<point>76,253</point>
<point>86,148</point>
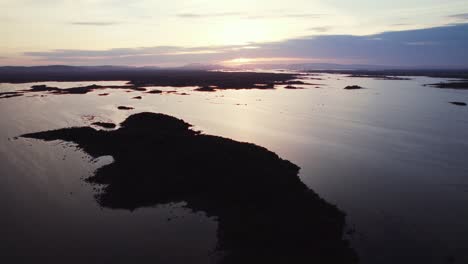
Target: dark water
<point>392,156</point>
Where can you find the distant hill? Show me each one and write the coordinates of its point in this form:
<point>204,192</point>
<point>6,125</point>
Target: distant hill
<point>333,66</point>
<point>201,66</point>
<point>16,74</point>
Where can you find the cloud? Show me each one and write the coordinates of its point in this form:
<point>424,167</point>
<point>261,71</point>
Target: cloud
<point>321,29</point>
<point>159,55</point>
<point>291,15</point>
<point>94,23</point>
<point>208,15</point>
<point>249,16</point>
<point>422,43</point>
<point>439,46</point>
<point>460,16</point>
<point>303,15</point>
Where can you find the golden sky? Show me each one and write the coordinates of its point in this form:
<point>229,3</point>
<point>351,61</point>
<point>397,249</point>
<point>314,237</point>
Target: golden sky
<point>49,25</point>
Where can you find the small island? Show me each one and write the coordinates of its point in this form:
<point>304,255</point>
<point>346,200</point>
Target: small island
<point>353,87</point>
<point>125,107</point>
<point>459,103</point>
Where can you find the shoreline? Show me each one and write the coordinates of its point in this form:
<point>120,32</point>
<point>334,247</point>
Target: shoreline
<point>243,185</point>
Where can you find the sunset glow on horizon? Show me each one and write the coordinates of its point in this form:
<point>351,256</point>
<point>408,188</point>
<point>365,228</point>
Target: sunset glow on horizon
<point>139,33</point>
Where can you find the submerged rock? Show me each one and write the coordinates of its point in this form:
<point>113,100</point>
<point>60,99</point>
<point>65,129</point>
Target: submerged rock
<point>206,89</point>
<point>458,85</point>
<point>125,108</point>
<point>155,92</point>
<point>265,213</point>
<point>104,125</point>
<point>291,87</point>
<point>380,77</point>
<point>6,95</point>
<point>294,82</point>
<point>459,103</point>
<point>353,87</point>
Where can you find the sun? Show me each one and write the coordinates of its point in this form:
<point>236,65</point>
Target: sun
<point>240,32</point>
<point>240,61</point>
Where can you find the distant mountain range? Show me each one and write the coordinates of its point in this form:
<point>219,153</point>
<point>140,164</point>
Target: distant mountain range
<point>332,66</point>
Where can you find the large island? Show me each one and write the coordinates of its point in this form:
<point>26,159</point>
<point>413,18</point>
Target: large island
<point>265,213</point>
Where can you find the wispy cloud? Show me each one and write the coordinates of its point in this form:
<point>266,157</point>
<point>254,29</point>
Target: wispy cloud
<point>290,15</point>
<point>249,16</point>
<point>447,46</point>
<point>159,51</point>
<point>321,29</point>
<point>422,43</point>
<point>208,15</point>
<point>305,15</point>
<point>94,23</point>
<point>463,16</point>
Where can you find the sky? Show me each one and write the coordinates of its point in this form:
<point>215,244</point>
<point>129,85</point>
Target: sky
<point>178,32</point>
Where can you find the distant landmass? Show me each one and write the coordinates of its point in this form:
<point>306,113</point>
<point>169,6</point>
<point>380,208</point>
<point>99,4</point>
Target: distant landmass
<point>186,74</point>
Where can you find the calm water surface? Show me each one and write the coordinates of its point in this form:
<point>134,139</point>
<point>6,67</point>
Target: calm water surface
<point>393,156</point>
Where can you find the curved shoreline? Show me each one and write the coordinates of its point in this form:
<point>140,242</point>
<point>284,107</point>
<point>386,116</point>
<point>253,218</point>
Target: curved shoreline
<point>264,212</point>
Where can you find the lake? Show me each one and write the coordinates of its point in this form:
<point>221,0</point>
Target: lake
<point>393,156</point>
